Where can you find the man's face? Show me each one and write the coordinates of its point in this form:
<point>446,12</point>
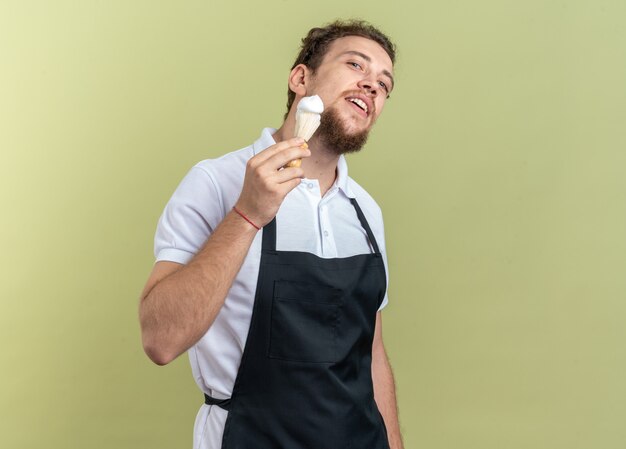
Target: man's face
<point>353,80</point>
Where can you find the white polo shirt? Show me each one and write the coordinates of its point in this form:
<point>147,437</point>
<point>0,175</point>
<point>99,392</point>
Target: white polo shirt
<point>327,227</point>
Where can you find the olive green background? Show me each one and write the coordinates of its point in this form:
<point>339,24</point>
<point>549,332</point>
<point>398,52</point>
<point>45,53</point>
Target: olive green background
<point>499,164</point>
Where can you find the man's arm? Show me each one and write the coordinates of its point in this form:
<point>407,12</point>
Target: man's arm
<point>384,387</point>
<point>180,302</point>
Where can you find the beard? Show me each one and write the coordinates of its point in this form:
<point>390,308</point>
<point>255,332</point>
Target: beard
<point>335,137</point>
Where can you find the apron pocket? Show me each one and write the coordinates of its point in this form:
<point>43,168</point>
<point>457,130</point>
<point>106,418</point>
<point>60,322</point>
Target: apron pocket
<point>304,323</point>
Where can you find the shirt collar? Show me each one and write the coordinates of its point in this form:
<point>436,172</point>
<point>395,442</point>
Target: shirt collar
<point>266,140</point>
<point>342,177</point>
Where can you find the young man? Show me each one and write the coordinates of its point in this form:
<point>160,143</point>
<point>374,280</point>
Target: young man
<point>283,326</point>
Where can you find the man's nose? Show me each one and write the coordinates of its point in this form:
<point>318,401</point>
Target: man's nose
<point>369,86</point>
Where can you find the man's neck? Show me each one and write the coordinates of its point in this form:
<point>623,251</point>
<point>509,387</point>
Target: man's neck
<point>321,165</point>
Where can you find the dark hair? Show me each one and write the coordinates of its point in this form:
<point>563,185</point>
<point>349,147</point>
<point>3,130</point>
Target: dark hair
<point>315,45</point>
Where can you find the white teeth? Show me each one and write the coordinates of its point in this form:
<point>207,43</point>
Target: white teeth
<point>359,103</point>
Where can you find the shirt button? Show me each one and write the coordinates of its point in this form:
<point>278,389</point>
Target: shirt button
<point>310,185</point>
<point>325,233</point>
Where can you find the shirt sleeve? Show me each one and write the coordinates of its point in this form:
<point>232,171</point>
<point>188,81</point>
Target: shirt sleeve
<point>380,239</point>
<point>190,216</point>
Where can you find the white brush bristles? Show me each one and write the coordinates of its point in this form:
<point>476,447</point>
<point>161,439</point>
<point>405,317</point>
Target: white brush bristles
<point>306,124</point>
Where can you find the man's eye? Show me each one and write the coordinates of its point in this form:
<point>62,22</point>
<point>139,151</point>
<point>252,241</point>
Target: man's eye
<point>356,65</point>
<point>384,86</point>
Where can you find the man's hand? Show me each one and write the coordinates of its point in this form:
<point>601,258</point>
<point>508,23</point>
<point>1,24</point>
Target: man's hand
<point>266,183</point>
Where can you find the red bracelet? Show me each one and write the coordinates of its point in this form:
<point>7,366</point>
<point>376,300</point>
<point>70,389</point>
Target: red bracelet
<point>245,218</point>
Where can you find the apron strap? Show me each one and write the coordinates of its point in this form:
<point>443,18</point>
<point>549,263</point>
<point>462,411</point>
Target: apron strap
<point>269,236</point>
<point>365,224</point>
<point>223,403</point>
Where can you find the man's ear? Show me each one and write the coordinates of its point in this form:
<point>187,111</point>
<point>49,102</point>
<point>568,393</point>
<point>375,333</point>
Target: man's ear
<point>298,79</point>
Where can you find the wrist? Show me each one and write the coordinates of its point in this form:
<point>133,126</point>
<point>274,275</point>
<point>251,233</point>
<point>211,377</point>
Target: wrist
<point>243,216</point>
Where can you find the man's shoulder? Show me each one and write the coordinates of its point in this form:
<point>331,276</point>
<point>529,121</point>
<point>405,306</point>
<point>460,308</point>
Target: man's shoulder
<point>227,164</point>
<point>219,178</point>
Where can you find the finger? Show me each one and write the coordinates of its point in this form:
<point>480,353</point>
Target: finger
<point>280,159</point>
<point>288,186</point>
<point>277,148</point>
<point>288,174</point>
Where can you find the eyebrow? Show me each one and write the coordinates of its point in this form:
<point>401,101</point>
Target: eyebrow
<point>368,59</point>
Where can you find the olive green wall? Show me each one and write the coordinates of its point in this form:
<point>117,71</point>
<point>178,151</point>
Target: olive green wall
<point>499,163</point>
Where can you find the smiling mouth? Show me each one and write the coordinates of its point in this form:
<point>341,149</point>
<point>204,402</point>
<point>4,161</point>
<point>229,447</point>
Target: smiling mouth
<point>360,104</point>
